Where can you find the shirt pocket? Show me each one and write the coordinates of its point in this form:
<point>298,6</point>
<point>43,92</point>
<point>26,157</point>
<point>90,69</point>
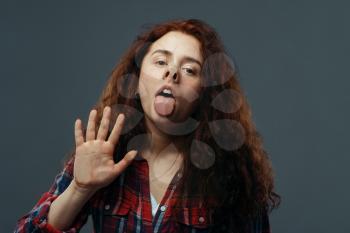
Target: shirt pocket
<point>115,219</point>
<point>194,219</point>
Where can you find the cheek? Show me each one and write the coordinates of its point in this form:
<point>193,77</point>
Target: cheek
<point>148,71</point>
<point>191,91</point>
<point>148,81</point>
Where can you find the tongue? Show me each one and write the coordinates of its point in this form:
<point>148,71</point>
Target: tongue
<point>164,105</point>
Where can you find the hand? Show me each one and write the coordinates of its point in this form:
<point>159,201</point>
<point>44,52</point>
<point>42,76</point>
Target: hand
<point>94,166</point>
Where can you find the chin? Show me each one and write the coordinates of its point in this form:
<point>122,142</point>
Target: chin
<point>175,128</point>
<point>162,120</point>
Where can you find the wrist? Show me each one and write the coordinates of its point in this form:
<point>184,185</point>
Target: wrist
<point>80,191</point>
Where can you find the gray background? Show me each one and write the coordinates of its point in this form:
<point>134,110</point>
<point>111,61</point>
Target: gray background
<point>293,59</point>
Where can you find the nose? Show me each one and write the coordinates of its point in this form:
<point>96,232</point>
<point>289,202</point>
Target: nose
<point>172,73</point>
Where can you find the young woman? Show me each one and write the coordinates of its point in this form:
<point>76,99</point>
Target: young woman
<point>169,147</point>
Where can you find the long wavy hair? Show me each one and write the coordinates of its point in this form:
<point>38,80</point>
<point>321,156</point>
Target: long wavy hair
<point>241,179</point>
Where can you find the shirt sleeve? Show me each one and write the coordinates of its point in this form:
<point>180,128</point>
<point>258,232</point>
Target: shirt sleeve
<point>261,224</point>
<point>36,219</point>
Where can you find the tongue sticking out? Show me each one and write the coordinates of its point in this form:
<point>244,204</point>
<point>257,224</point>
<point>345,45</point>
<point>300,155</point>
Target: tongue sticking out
<point>164,105</point>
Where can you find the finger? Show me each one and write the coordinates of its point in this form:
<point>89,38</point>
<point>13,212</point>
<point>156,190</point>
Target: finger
<point>78,133</point>
<point>103,130</point>
<point>125,162</point>
<point>118,126</point>
<point>90,131</point>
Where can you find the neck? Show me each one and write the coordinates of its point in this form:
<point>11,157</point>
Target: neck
<point>158,142</point>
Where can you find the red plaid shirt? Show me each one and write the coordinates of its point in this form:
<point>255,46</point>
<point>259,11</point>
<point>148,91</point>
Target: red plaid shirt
<point>125,206</point>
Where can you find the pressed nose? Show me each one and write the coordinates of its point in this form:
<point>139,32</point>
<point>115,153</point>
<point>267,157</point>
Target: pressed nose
<point>172,74</point>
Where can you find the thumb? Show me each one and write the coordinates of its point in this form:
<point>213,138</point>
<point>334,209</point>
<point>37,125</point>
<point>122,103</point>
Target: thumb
<point>125,162</point>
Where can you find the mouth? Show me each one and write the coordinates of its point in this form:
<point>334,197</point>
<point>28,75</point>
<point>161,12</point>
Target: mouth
<point>165,101</point>
<point>166,91</point>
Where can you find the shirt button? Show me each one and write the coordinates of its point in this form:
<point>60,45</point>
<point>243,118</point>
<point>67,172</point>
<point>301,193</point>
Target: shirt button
<point>163,208</point>
<point>201,219</point>
<point>107,207</point>
<point>179,175</point>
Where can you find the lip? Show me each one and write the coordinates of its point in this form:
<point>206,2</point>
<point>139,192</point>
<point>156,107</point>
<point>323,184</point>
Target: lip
<point>165,86</point>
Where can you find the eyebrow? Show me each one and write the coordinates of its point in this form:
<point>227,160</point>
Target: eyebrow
<point>186,58</point>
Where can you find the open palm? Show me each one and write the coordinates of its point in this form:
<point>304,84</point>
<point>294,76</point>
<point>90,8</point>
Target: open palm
<point>94,166</point>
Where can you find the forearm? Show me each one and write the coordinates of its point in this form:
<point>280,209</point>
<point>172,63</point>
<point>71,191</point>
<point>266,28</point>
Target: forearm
<point>66,207</point>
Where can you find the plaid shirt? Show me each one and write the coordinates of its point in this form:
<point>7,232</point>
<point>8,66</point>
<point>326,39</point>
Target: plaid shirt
<point>125,206</point>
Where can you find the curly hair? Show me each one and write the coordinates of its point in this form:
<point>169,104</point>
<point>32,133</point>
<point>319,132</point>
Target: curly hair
<point>241,179</point>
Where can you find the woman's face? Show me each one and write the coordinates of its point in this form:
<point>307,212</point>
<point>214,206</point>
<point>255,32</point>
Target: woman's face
<point>173,60</point>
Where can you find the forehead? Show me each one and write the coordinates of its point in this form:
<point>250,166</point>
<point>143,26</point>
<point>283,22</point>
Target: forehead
<point>179,44</point>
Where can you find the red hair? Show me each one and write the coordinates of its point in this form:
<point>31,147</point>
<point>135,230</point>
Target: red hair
<point>241,178</point>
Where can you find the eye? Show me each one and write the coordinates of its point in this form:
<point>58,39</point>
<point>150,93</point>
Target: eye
<point>161,62</point>
<point>190,71</point>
